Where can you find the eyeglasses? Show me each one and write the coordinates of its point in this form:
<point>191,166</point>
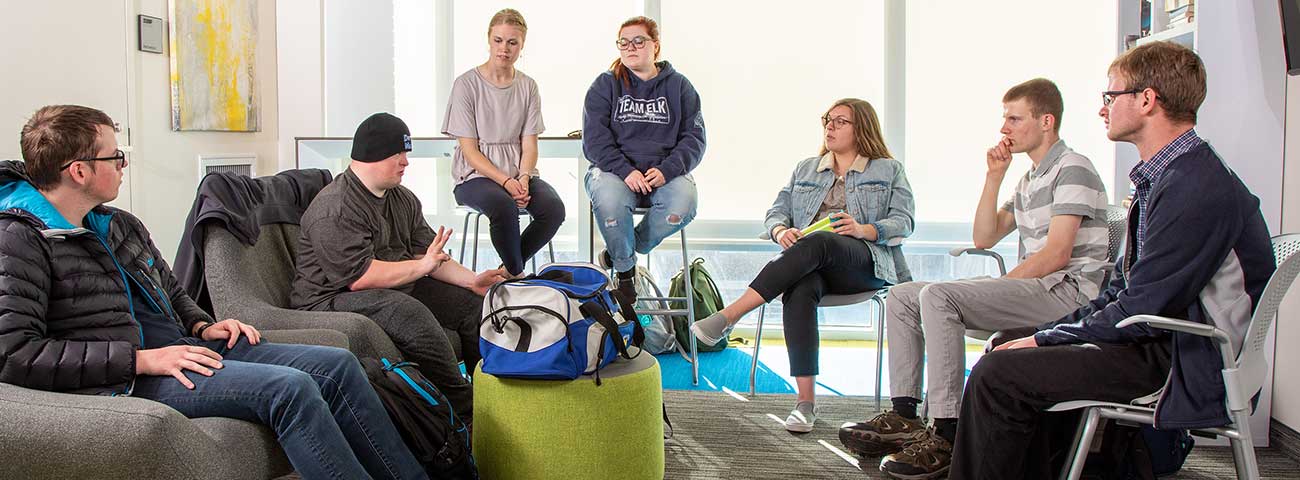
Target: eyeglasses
<point>635,43</point>
<point>1108,97</point>
<point>118,156</point>
<point>838,122</point>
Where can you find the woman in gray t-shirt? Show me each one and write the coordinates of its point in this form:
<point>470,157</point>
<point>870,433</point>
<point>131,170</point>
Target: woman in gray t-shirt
<point>495,113</point>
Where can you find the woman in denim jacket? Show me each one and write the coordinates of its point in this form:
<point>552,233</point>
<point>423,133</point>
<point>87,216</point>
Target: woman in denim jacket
<point>866,195</point>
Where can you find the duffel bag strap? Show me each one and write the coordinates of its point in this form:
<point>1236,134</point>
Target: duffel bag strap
<point>629,314</point>
<point>601,316</point>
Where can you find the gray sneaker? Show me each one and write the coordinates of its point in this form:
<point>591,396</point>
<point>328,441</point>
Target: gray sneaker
<point>802,418</point>
<point>711,329</point>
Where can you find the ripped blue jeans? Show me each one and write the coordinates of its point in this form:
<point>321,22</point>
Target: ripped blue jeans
<point>672,206</point>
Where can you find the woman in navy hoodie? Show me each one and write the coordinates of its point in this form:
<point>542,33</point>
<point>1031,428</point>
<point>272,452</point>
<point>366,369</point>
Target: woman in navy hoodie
<point>643,133</point>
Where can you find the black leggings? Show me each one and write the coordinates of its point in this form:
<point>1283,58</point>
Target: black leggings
<point>819,264</point>
<point>545,207</point>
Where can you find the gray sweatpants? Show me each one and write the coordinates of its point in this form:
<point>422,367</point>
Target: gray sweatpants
<point>927,322</point>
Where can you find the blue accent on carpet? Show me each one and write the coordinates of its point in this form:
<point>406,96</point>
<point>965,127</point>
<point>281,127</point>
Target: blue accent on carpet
<point>728,368</point>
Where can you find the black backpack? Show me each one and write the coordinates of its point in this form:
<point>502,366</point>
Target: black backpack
<point>1130,452</point>
<point>426,420</point>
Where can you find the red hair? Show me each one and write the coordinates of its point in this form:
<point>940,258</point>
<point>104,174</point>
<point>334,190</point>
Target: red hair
<point>652,29</point>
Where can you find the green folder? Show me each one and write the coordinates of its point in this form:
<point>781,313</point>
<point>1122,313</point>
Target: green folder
<point>823,224</point>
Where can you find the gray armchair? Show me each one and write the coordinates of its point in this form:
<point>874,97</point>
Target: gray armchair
<point>252,284</point>
<point>59,435</point>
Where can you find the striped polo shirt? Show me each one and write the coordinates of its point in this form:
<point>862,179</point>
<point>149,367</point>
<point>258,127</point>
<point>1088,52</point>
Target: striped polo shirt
<point>1064,183</point>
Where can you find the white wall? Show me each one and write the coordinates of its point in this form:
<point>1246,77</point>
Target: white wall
<point>101,67</point>
<point>300,49</point>
<point>57,72</point>
<point>1286,388</point>
<point>358,62</point>
<point>165,164</point>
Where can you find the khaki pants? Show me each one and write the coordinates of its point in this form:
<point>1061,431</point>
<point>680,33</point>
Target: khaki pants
<point>927,321</point>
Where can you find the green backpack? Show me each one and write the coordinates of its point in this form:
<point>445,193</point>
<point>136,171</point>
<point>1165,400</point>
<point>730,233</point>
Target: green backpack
<point>707,302</point>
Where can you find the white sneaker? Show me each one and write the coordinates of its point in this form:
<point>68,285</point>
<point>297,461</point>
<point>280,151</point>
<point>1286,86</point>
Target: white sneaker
<point>802,418</point>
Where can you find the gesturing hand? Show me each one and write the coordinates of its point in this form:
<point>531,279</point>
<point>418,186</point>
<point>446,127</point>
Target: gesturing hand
<point>174,360</point>
<point>636,181</point>
<point>436,254</point>
<point>231,329</point>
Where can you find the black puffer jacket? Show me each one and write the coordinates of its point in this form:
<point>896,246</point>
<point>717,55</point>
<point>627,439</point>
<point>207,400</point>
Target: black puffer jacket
<point>66,320</point>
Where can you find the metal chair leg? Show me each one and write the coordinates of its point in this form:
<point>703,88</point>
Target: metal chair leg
<point>464,235</point>
<point>1243,449</point>
<point>690,309</point>
<point>550,250</point>
<point>1082,442</point>
<point>758,342</point>
<point>880,344</point>
<point>478,218</point>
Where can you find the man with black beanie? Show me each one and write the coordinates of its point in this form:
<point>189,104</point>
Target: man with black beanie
<point>366,248</point>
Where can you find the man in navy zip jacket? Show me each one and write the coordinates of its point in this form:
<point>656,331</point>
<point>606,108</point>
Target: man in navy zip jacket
<point>87,305</point>
<point>1197,249</point>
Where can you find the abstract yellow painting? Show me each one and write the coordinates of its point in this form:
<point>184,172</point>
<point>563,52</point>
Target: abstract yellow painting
<point>213,65</point>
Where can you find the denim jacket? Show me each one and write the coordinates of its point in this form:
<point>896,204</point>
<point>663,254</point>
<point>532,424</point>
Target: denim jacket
<point>876,192</point>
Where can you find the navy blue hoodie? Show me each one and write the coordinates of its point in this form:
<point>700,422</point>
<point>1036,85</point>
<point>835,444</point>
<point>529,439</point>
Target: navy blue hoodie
<point>654,123</point>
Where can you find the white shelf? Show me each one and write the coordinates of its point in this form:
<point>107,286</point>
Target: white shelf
<point>1183,33</point>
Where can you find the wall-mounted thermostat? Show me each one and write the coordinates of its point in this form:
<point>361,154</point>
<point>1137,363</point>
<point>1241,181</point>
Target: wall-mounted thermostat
<point>152,34</point>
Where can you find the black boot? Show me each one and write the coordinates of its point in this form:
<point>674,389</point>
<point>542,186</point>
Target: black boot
<point>627,285</point>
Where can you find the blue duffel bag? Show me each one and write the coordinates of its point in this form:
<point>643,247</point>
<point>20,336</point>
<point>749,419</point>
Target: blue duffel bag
<point>556,324</point>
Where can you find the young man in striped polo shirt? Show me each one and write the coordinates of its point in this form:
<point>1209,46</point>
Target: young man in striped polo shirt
<point>1059,210</point>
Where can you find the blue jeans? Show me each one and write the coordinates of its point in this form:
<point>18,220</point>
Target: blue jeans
<point>672,206</point>
<point>326,416</point>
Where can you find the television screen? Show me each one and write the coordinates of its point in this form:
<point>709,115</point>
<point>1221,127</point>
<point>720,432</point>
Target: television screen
<point>1291,34</point>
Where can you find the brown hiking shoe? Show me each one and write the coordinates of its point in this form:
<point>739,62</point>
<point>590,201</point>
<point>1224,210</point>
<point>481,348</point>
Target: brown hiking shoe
<point>885,433</point>
<point>923,459</point>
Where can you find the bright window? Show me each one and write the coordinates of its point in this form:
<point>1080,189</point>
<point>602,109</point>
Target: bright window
<point>765,76</point>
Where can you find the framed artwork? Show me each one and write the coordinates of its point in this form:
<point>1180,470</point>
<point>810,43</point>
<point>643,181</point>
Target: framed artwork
<point>213,49</point>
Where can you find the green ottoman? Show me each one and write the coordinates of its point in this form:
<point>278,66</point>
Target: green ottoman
<point>571,429</point>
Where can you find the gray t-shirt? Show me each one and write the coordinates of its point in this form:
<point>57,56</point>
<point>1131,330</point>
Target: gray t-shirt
<point>345,228</point>
<point>498,117</point>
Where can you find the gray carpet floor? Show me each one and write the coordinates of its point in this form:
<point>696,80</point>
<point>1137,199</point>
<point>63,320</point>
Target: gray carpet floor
<point>717,435</point>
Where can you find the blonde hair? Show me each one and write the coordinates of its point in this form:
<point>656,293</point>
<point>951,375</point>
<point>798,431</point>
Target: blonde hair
<point>868,138</point>
<point>508,16</point>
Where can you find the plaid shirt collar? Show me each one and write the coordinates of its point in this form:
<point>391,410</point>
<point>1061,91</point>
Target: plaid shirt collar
<point>1146,173</point>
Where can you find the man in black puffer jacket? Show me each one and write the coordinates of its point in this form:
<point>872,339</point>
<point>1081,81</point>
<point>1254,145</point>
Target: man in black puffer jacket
<point>87,305</point>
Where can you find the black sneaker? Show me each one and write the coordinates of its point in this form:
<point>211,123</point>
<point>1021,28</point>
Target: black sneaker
<point>884,434</point>
<point>920,460</point>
